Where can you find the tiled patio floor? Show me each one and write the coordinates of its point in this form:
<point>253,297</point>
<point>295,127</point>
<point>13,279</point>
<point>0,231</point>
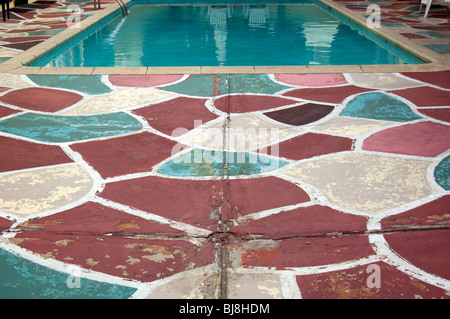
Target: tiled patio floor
<point>336,185</point>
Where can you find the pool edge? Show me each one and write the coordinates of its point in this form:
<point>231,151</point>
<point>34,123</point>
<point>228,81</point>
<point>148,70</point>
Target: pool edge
<point>19,63</point>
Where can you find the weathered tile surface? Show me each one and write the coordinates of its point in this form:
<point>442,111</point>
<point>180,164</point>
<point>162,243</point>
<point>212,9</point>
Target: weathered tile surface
<point>336,185</point>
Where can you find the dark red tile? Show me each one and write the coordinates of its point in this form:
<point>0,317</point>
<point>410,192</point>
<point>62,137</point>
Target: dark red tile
<point>439,15</point>
<point>413,36</point>
<point>433,27</point>
<point>127,154</point>
<point>23,45</point>
<point>329,95</point>
<point>433,138</point>
<point>35,5</point>
<point>425,96</point>
<point>55,14</point>
<point>301,114</point>
<point>22,14</point>
<point>144,260</point>
<point>15,18</point>
<point>56,25</point>
<point>398,5</point>
<point>143,80</point>
<point>5,224</point>
<point>441,114</point>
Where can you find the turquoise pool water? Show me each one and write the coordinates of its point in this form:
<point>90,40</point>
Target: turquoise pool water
<point>232,34</point>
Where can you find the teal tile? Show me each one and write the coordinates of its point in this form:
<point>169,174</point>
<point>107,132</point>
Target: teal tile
<point>200,85</point>
<point>442,173</point>
<point>23,279</point>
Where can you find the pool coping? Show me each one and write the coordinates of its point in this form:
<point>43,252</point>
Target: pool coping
<point>19,63</point>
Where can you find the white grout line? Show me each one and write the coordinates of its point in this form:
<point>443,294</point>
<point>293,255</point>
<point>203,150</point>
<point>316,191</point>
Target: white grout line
<point>290,288</point>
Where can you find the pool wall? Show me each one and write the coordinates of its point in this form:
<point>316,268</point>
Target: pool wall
<point>22,62</point>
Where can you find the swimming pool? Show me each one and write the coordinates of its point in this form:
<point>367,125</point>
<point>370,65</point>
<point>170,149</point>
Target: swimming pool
<point>225,34</point>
